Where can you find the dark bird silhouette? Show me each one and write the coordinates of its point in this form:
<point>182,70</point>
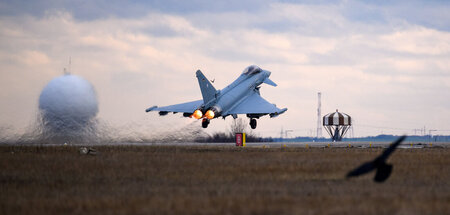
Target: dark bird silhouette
<point>383,169</point>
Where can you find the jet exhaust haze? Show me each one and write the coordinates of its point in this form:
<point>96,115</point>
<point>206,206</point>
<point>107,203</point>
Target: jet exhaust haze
<point>67,113</point>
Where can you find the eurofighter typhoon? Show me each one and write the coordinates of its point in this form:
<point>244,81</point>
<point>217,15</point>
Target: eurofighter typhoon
<point>240,97</point>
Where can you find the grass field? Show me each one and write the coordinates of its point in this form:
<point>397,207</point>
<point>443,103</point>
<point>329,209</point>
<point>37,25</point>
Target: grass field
<point>219,180</point>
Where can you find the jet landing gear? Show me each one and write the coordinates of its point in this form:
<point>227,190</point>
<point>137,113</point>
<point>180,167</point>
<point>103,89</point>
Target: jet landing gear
<point>253,123</point>
<point>205,123</point>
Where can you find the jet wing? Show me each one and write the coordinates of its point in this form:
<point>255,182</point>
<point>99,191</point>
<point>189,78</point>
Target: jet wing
<point>255,104</point>
<point>188,107</point>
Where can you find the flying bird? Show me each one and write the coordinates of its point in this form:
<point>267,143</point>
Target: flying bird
<point>383,169</point>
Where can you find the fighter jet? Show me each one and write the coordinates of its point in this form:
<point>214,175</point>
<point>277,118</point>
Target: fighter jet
<point>240,97</point>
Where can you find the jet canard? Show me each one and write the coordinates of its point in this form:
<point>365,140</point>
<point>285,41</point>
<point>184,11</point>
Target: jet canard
<point>240,97</point>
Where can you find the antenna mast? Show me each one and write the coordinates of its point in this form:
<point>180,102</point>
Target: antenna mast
<point>319,110</point>
<point>67,71</point>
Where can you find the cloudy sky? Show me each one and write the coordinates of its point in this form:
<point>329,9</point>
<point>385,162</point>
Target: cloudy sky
<point>386,64</point>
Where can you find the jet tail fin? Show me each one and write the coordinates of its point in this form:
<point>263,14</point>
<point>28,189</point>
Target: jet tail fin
<point>208,90</point>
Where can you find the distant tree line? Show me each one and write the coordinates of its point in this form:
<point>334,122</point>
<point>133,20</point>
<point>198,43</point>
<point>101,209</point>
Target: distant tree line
<point>238,125</point>
<point>378,138</point>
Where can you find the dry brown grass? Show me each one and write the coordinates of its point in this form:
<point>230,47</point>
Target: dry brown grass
<point>218,180</point>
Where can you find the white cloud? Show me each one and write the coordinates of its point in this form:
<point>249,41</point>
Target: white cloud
<point>372,72</point>
<point>418,40</point>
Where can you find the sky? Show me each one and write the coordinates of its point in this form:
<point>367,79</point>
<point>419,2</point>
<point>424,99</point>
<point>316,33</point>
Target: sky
<point>386,64</point>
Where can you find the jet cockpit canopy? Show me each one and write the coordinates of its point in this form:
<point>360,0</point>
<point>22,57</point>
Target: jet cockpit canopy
<point>251,70</point>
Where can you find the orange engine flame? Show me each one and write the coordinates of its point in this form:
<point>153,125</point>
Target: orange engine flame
<point>197,114</point>
<point>209,114</point>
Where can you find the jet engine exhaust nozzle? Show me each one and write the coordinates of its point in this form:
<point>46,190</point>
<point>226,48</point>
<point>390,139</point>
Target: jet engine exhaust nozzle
<point>197,114</point>
<point>209,114</point>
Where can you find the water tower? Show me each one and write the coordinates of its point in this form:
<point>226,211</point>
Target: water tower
<point>337,124</point>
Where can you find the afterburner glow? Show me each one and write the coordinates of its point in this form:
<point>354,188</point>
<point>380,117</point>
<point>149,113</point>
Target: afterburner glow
<point>197,114</point>
<point>209,114</point>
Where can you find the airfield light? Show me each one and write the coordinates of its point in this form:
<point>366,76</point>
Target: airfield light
<point>209,114</point>
<point>197,114</point>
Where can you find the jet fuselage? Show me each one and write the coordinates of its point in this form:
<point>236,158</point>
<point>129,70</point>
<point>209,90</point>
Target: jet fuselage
<point>236,92</point>
<point>240,97</point>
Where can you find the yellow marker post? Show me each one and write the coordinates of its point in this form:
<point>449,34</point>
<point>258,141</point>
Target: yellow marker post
<point>240,139</point>
<point>370,144</point>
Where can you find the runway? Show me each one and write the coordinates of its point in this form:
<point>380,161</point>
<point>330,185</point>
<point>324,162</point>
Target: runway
<point>345,144</point>
<point>405,145</point>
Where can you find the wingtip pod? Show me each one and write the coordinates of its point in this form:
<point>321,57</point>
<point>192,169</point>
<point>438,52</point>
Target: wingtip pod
<point>272,115</point>
<point>150,109</point>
